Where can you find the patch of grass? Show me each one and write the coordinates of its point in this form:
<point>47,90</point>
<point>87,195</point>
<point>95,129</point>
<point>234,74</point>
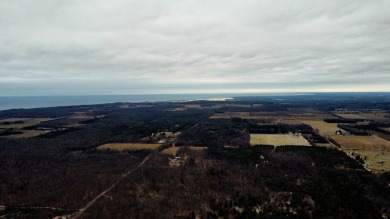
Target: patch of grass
<point>278,139</point>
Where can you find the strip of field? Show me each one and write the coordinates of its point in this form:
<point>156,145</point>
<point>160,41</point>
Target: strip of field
<point>13,119</point>
<point>364,115</point>
<point>195,148</point>
<point>374,160</point>
<point>324,128</point>
<point>350,116</point>
<point>128,146</point>
<point>171,151</point>
<point>278,139</point>
<point>386,129</point>
<point>25,122</point>
<point>84,117</point>
<point>27,134</point>
<point>290,121</point>
<point>73,125</point>
<point>361,142</point>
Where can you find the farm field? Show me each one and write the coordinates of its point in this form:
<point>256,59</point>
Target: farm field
<point>363,115</point>
<point>171,151</point>
<point>26,122</point>
<point>84,117</point>
<point>195,148</point>
<point>278,139</point>
<point>312,116</point>
<point>327,145</point>
<point>386,129</point>
<point>350,116</point>
<point>27,134</point>
<point>74,125</point>
<point>128,146</point>
<point>290,121</point>
<point>361,142</point>
<point>376,161</point>
<point>324,128</point>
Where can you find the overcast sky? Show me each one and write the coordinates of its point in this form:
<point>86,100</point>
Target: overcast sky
<point>50,47</point>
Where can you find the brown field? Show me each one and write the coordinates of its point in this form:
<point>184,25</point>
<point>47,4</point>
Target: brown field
<point>74,125</point>
<point>171,151</point>
<point>373,116</point>
<point>178,109</point>
<point>27,122</point>
<point>324,128</point>
<point>327,145</point>
<point>128,146</point>
<point>361,142</point>
<point>188,106</point>
<point>313,116</point>
<point>369,115</point>
<point>374,160</point>
<point>290,121</point>
<point>174,150</point>
<point>27,134</point>
<point>278,139</point>
<point>80,116</point>
<point>194,148</point>
<point>386,129</point>
<point>350,116</point>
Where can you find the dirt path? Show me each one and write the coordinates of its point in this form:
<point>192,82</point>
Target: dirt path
<point>81,211</point>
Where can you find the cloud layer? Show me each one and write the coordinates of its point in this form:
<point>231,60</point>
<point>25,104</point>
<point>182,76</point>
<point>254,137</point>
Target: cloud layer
<point>129,47</point>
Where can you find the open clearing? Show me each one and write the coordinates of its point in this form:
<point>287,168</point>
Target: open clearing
<point>171,151</point>
<point>363,115</point>
<point>324,128</point>
<point>128,146</point>
<point>386,129</point>
<point>27,134</point>
<point>74,125</point>
<point>278,139</point>
<point>195,148</point>
<point>374,160</point>
<point>350,116</point>
<point>26,122</point>
<point>361,142</point>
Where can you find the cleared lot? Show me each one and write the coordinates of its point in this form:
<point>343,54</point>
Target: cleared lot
<point>27,134</point>
<point>278,139</point>
<point>19,123</point>
<point>361,142</point>
<point>171,151</point>
<point>324,128</point>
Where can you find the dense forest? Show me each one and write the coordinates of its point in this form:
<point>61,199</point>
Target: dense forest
<point>63,170</point>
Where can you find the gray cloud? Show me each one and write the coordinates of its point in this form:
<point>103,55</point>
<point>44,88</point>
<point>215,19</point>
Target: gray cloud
<point>128,47</point>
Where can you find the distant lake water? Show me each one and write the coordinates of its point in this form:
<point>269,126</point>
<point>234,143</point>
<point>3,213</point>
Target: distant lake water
<point>26,102</point>
<point>17,102</point>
